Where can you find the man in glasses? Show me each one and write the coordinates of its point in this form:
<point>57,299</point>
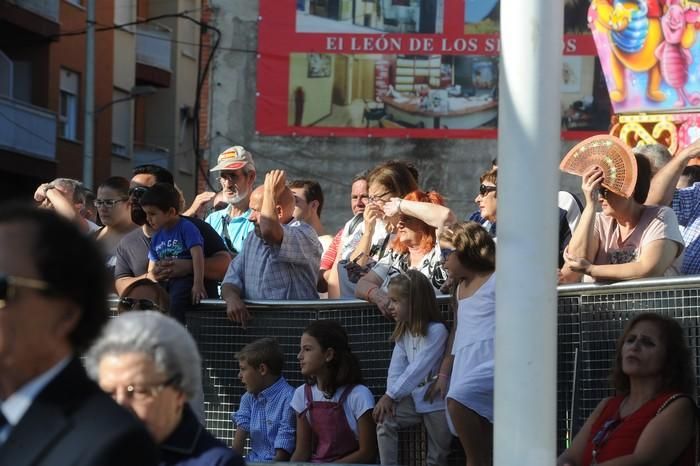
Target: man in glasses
<point>236,171</point>
<point>132,252</point>
<point>52,306</point>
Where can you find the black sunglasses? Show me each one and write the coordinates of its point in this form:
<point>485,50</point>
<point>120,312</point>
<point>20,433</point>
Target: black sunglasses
<point>137,192</point>
<point>484,190</point>
<point>129,304</point>
<point>603,191</point>
<point>10,283</point>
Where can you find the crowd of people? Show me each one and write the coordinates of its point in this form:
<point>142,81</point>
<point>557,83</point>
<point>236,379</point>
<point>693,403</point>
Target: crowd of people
<point>402,248</point>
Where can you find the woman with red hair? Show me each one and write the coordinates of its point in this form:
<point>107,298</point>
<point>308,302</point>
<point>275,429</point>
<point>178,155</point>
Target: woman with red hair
<point>420,217</point>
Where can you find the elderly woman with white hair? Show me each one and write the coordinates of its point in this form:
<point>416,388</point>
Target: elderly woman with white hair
<point>150,365</point>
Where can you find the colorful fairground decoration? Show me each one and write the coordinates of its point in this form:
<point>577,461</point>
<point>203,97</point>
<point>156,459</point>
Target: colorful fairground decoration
<point>650,56</point>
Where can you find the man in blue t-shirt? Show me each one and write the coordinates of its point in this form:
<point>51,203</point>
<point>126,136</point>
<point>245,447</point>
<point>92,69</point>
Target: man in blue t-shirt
<point>236,175</point>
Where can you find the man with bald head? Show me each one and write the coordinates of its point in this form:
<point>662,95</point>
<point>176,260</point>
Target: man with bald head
<point>280,261</point>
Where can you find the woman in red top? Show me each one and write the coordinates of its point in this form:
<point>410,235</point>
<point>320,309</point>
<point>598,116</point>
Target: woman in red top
<point>652,419</point>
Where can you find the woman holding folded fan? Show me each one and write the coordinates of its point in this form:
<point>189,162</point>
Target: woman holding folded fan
<point>627,240</point>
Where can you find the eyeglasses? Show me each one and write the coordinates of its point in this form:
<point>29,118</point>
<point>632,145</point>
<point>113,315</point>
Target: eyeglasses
<point>108,203</point>
<point>379,197</point>
<point>484,190</point>
<point>10,283</point>
<point>230,177</point>
<point>445,253</point>
<point>137,192</point>
<point>130,304</point>
<point>141,394</point>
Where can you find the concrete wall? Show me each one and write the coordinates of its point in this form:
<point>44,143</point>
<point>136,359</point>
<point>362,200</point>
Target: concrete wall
<point>449,166</point>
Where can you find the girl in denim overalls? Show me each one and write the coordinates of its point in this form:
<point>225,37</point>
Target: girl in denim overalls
<point>334,409</point>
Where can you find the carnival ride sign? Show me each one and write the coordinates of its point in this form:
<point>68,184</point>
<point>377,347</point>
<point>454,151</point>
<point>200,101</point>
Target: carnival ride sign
<point>649,54</point>
<point>403,68</point>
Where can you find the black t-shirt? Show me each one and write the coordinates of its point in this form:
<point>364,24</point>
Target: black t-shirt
<point>132,252</point>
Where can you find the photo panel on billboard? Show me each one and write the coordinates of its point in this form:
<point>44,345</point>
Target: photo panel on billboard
<point>584,98</point>
<point>370,16</point>
<point>483,16</point>
<point>405,68</point>
<point>395,91</point>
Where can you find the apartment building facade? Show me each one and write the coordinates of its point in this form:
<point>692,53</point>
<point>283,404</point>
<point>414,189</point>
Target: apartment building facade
<point>145,86</point>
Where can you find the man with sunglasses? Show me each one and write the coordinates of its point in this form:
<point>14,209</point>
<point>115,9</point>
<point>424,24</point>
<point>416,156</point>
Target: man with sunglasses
<point>52,306</point>
<point>132,252</point>
<point>236,174</point>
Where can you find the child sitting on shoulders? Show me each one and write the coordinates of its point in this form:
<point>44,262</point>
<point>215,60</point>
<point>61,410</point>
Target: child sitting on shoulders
<point>175,238</point>
<point>420,337</point>
<point>334,409</point>
<point>264,414</point>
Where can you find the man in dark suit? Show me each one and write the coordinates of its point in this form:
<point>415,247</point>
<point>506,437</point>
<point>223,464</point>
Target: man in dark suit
<point>52,306</point>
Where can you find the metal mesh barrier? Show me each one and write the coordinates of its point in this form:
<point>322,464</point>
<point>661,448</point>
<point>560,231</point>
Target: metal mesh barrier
<point>590,318</point>
<point>219,340</point>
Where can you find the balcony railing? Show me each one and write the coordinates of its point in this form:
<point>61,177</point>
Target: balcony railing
<point>46,8</point>
<point>27,129</point>
<point>153,45</point>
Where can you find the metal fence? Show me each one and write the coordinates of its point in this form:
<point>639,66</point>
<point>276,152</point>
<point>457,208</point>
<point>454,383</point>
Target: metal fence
<point>590,318</point>
<point>219,340</point>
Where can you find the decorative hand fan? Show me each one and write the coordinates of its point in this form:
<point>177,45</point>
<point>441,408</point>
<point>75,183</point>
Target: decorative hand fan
<point>610,154</point>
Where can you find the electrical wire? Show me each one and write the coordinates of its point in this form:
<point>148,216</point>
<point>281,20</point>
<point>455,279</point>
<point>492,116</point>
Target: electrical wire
<point>182,15</point>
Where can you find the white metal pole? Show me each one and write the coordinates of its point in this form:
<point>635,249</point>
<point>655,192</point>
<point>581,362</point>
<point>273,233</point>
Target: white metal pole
<point>89,123</point>
<point>528,180</point>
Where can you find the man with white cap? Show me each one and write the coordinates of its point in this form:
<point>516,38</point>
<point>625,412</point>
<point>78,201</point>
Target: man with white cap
<point>236,175</point>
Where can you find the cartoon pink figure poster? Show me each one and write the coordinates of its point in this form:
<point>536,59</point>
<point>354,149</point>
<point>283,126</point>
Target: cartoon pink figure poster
<point>649,53</point>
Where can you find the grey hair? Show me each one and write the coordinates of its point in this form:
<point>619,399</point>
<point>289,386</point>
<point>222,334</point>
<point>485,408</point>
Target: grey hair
<point>76,186</point>
<point>248,168</point>
<point>158,336</point>
<point>658,155</point>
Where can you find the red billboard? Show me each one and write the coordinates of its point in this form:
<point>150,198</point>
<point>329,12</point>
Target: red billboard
<point>404,68</point>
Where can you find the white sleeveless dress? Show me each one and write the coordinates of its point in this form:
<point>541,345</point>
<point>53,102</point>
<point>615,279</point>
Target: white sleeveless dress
<point>471,383</point>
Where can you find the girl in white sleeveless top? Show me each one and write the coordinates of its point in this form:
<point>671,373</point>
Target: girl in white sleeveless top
<point>469,354</point>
